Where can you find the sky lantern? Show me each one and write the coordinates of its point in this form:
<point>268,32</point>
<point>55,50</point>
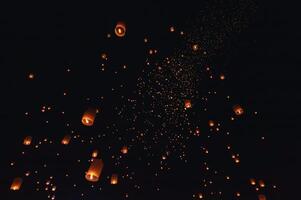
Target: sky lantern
<point>124,150</point>
<point>16,184</point>
<point>211,123</point>
<point>253,181</point>
<point>89,117</point>
<point>197,131</point>
<point>114,179</point>
<point>222,77</point>
<point>172,29</point>
<point>238,110</point>
<point>261,183</point>
<point>66,139</point>
<point>27,140</point>
<point>104,56</point>
<point>95,153</point>
<point>94,170</point>
<point>187,103</point>
<point>195,47</point>
<point>31,76</point>
<point>120,29</point>
<point>261,197</point>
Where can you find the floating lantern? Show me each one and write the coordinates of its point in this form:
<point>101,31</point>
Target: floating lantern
<point>88,117</point>
<point>120,29</point>
<point>94,170</point>
<point>261,197</point>
<point>114,179</point>
<point>187,103</point>
<point>253,181</point>
<point>238,110</point>
<point>95,153</point>
<point>66,139</point>
<point>261,183</point>
<point>197,132</point>
<point>31,76</point>
<point>16,184</point>
<point>104,56</point>
<point>211,123</point>
<point>124,150</point>
<point>195,47</point>
<point>172,29</point>
<point>27,140</point>
<point>222,77</point>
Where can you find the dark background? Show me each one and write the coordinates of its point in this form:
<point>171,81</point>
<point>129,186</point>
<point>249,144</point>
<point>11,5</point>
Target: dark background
<point>263,68</point>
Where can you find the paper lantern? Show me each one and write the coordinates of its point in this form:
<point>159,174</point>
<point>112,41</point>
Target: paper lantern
<point>94,170</point>
<point>238,110</point>
<point>114,179</point>
<point>66,139</point>
<point>95,153</point>
<point>120,29</point>
<point>197,132</point>
<point>253,181</point>
<point>88,117</point>
<point>187,103</point>
<point>261,197</point>
<point>195,47</point>
<point>124,150</point>
<point>16,184</point>
<point>211,123</point>
<point>27,140</point>
<point>222,77</point>
<point>261,183</point>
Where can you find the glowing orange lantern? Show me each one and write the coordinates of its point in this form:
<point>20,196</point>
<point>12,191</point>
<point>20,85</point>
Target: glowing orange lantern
<point>31,76</point>
<point>104,56</point>
<point>222,77</point>
<point>95,153</point>
<point>261,197</point>
<point>124,150</point>
<point>120,29</point>
<point>16,184</point>
<point>200,196</point>
<point>89,117</point>
<point>252,181</point>
<point>211,123</point>
<point>261,183</point>
<point>114,179</point>
<point>195,47</point>
<point>94,170</point>
<point>238,110</point>
<point>27,140</point>
<point>66,140</point>
<point>197,132</point>
<point>187,103</point>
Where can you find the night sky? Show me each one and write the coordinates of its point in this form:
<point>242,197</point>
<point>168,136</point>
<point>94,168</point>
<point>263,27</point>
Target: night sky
<point>168,92</point>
